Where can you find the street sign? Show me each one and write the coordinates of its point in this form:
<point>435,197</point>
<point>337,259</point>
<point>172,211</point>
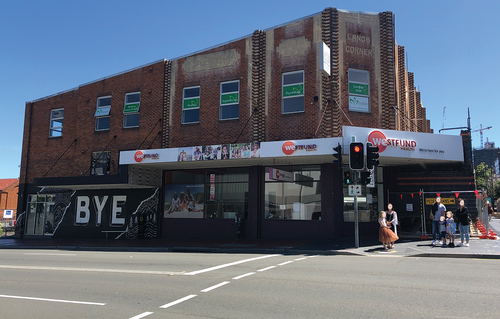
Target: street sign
<point>354,190</point>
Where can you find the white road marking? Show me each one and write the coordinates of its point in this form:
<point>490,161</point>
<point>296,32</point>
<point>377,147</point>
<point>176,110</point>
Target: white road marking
<point>242,276</point>
<point>228,265</point>
<point>123,271</point>
<point>301,258</point>
<point>54,300</point>
<point>215,287</point>
<point>285,263</point>
<point>48,254</point>
<point>142,315</point>
<point>267,268</point>
<point>178,301</point>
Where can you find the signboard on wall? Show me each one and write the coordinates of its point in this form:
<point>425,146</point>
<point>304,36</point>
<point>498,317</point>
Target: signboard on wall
<point>280,175</point>
<point>324,57</point>
<point>8,214</point>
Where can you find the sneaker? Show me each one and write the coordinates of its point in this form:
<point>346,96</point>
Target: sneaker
<point>433,243</point>
<point>451,245</point>
<point>440,243</point>
<point>444,245</point>
<point>466,245</point>
<point>460,244</point>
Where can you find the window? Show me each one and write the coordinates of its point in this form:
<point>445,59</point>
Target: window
<point>359,91</point>
<point>100,163</point>
<point>299,199</point>
<point>229,100</point>
<point>292,92</point>
<point>102,118</point>
<point>191,105</point>
<point>131,110</point>
<point>56,122</point>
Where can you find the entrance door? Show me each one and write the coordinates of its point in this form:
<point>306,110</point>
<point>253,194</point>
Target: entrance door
<point>40,217</point>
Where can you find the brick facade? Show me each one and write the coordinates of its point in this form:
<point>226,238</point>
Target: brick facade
<point>8,195</point>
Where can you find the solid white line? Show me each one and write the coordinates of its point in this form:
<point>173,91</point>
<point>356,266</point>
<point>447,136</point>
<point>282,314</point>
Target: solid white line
<point>241,276</point>
<point>54,300</point>
<point>124,271</point>
<point>267,268</point>
<point>48,254</point>
<point>142,315</point>
<point>173,303</point>
<point>228,265</point>
<point>286,262</point>
<point>216,286</point>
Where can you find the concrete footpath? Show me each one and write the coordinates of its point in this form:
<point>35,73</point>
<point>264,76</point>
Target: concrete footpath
<point>409,245</point>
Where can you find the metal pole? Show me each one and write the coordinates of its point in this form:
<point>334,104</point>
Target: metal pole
<point>356,222</point>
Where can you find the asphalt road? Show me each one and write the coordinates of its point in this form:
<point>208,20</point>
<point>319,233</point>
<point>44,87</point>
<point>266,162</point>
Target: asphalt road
<point>82,284</point>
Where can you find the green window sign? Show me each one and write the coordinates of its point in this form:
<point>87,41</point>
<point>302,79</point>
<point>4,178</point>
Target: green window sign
<point>131,108</point>
<point>191,103</point>
<point>231,98</point>
<point>356,88</point>
<point>293,90</point>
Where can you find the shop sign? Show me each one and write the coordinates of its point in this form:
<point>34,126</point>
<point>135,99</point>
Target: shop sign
<point>358,88</point>
<point>324,57</point>
<point>191,103</point>
<point>290,147</point>
<point>139,156</point>
<point>293,90</point>
<point>7,214</point>
<point>377,138</point>
<point>231,98</point>
<point>444,201</point>
<point>131,108</point>
<point>280,175</point>
<point>359,103</point>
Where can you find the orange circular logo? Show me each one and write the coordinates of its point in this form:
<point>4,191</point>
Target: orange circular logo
<point>288,148</point>
<point>378,138</point>
<point>138,156</point>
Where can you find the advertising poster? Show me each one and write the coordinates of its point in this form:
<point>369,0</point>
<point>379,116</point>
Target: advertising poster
<point>184,201</point>
<point>211,152</point>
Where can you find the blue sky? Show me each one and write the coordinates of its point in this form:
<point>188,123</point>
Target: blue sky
<point>48,47</point>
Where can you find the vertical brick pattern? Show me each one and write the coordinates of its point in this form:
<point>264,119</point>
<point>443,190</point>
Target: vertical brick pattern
<point>258,86</point>
<point>388,77</point>
<point>402,85</point>
<point>412,110</point>
<point>165,142</point>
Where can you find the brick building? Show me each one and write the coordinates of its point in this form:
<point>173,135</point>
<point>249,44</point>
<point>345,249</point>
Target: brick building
<point>179,148</point>
<point>8,198</point>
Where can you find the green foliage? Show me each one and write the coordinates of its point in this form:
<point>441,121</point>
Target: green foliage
<point>483,175</point>
<point>496,190</point>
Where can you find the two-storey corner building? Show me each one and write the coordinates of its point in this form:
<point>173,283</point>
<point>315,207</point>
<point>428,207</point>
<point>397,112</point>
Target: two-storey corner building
<point>235,140</point>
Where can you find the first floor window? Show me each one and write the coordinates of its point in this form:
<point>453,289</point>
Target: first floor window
<point>191,105</point>
<point>292,93</point>
<point>131,110</point>
<point>229,100</point>
<point>101,163</point>
<point>103,109</point>
<point>56,122</point>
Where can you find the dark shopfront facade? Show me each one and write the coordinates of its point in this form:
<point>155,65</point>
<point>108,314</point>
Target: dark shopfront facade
<point>281,189</point>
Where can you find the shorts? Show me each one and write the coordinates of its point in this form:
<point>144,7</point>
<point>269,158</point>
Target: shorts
<point>442,234</point>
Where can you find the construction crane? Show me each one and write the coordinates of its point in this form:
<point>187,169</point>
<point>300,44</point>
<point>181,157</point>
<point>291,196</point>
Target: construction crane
<point>481,129</point>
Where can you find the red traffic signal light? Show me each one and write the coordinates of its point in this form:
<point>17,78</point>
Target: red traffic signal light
<point>356,156</point>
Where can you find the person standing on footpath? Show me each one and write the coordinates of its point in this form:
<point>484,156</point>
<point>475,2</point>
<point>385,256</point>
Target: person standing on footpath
<point>438,210</point>
<point>392,218</point>
<point>462,214</point>
<point>490,211</point>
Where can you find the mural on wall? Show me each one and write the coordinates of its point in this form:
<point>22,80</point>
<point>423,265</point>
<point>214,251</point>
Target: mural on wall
<point>184,201</point>
<point>143,222</point>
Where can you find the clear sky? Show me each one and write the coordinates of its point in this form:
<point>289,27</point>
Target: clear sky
<point>51,46</point>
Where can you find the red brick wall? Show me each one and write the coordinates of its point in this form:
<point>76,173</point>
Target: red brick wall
<point>8,198</point>
<point>41,152</point>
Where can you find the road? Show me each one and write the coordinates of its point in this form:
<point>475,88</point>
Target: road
<point>83,284</point>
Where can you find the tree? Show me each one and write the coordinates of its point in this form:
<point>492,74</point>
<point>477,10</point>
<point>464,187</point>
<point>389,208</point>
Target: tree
<point>496,190</point>
<point>483,176</point>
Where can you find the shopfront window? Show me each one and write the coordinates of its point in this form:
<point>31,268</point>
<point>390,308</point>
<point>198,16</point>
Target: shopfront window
<point>211,193</point>
<point>293,193</point>
<point>368,203</point>
<point>40,219</point>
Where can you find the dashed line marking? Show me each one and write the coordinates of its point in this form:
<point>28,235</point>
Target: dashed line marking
<point>267,268</point>
<point>178,301</point>
<point>142,315</point>
<point>286,263</point>
<point>245,275</point>
<point>215,286</point>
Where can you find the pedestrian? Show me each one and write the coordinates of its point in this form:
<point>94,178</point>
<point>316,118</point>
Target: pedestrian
<point>438,210</point>
<point>392,218</point>
<point>462,215</point>
<point>442,231</point>
<point>385,234</point>
<point>490,211</point>
<point>450,228</point>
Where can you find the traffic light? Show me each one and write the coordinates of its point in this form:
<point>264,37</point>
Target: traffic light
<point>338,156</point>
<point>347,177</point>
<point>371,155</point>
<point>365,178</point>
<point>356,156</point>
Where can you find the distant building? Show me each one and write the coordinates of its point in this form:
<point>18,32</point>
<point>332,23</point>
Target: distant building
<point>8,198</point>
<point>489,156</point>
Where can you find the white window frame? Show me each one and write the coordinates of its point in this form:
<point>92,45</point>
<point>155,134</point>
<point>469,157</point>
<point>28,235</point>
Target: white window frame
<point>295,96</point>
<point>229,104</point>
<point>126,114</point>
<point>102,112</point>
<point>53,128</point>
<point>361,96</point>
<point>190,109</point>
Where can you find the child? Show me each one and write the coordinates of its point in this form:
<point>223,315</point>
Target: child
<point>450,228</point>
<point>442,230</point>
<point>385,234</point>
